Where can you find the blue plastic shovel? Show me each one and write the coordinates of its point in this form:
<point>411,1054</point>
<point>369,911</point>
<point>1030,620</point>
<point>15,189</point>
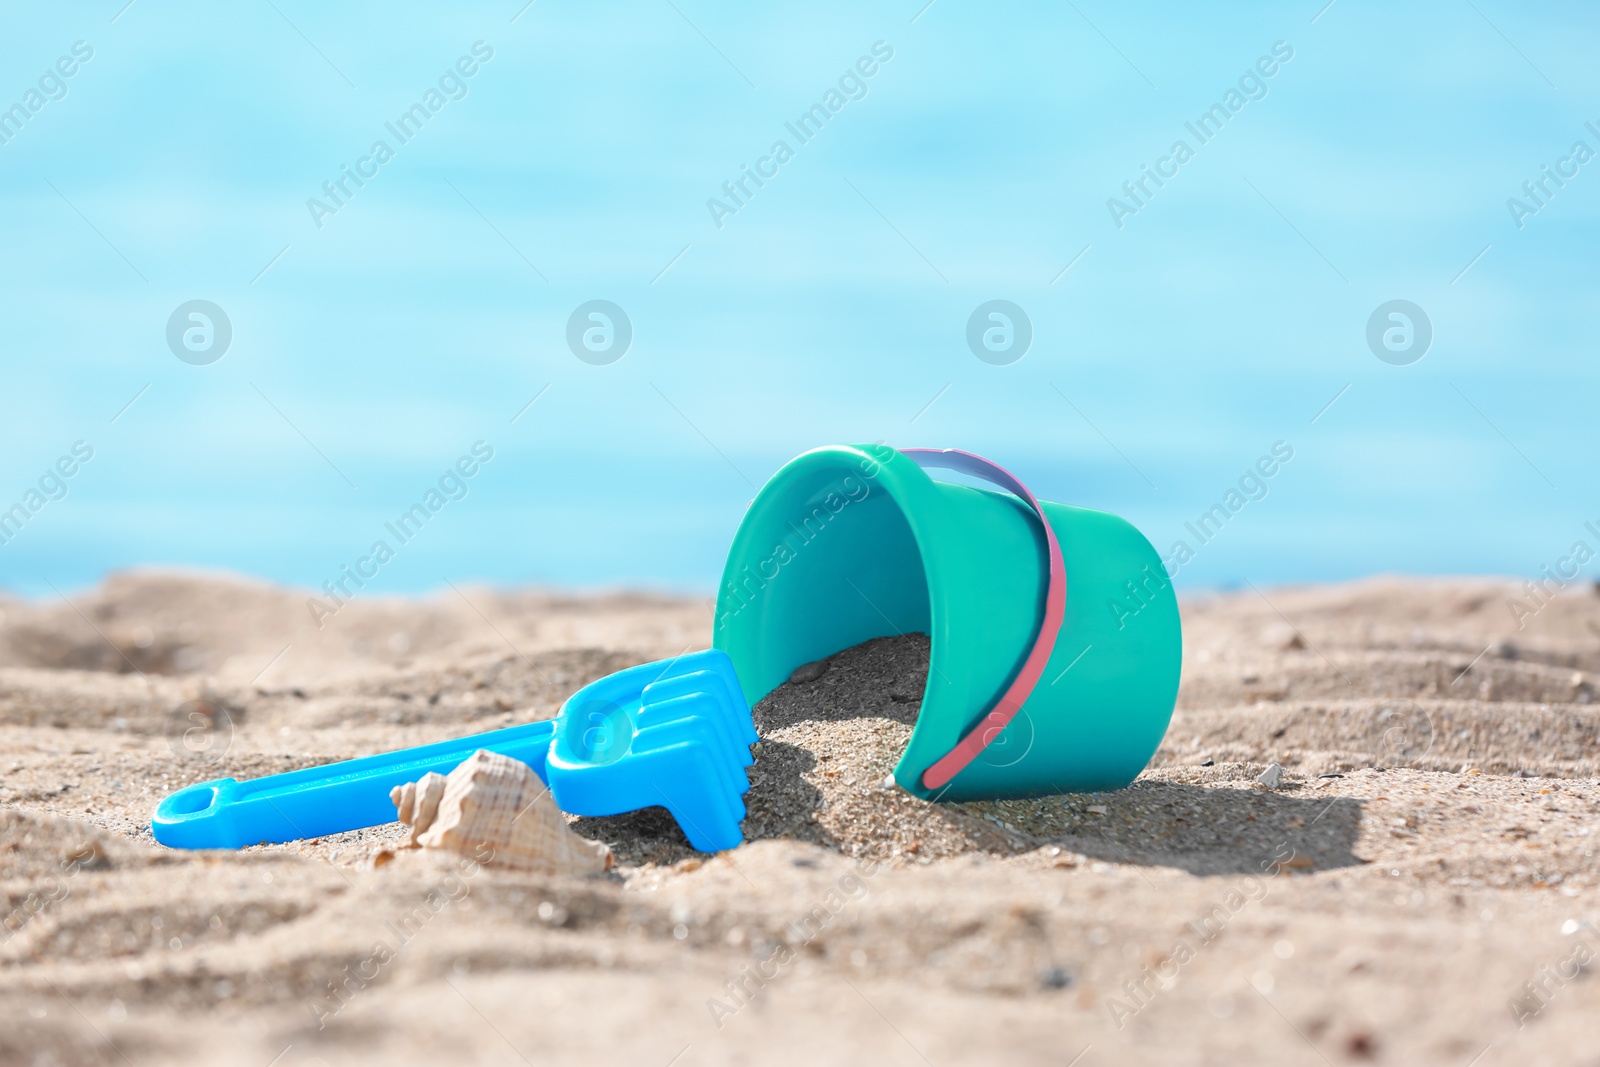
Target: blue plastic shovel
<point>675,733</point>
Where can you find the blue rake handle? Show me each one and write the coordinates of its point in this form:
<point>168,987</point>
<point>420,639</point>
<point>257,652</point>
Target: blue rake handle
<point>330,799</point>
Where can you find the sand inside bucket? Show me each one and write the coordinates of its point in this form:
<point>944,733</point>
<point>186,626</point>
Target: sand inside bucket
<point>829,738</point>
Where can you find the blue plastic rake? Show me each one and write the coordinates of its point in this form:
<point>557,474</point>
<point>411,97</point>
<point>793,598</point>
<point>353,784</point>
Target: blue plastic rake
<point>674,733</point>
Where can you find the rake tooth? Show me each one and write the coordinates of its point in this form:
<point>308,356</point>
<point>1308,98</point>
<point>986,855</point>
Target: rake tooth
<point>698,730</point>
<point>721,698</point>
<point>714,670</point>
<point>728,707</point>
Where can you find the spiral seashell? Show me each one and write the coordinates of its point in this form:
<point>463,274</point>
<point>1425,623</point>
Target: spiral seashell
<point>496,810</point>
<point>418,802</point>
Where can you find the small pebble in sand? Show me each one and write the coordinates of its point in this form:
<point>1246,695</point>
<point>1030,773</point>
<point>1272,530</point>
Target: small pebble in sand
<point>809,672</point>
<point>1055,977</point>
<point>1272,777</point>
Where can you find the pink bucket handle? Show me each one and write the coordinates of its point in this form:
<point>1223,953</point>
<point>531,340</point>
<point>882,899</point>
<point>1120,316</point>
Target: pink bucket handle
<point>1005,709</point>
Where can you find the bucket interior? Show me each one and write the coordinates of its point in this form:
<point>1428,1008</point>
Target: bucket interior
<point>826,561</point>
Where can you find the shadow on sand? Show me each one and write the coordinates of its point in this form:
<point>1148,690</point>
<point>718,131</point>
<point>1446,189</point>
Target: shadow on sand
<point>1209,831</point>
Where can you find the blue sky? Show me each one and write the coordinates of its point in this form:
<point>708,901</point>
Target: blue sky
<point>371,352</point>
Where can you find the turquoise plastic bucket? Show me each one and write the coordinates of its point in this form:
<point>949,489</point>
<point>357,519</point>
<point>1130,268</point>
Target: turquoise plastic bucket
<point>850,542</point>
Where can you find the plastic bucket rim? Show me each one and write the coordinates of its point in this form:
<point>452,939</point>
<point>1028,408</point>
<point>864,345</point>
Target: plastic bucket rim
<point>916,497</point>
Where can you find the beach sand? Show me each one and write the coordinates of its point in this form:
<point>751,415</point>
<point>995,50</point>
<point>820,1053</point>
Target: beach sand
<point>1422,887</point>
